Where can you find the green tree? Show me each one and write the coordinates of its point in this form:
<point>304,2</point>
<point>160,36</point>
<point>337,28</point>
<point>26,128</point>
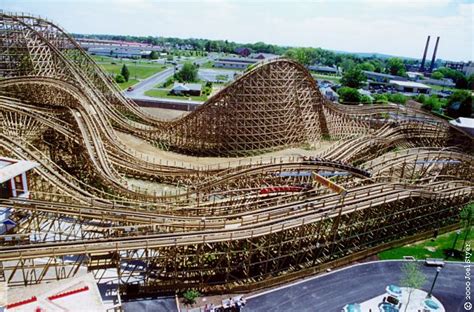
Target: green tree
<point>467,218</point>
<point>154,55</point>
<point>353,78</point>
<point>119,78</point>
<point>461,82</point>
<point>377,65</point>
<point>460,104</point>
<point>367,66</point>
<point>458,77</point>
<point>347,64</point>
<point>437,75</point>
<point>412,278</point>
<point>125,72</point>
<point>188,73</point>
<point>470,82</point>
<point>303,56</point>
<point>396,67</point>
<point>349,95</point>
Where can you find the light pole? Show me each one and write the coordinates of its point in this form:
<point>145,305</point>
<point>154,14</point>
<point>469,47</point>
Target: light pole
<point>454,243</point>
<point>438,269</point>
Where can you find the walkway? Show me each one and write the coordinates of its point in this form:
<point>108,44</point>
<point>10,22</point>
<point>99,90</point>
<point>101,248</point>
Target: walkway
<point>358,283</point>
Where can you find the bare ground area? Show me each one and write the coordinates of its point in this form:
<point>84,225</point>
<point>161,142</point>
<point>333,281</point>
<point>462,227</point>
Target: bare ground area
<point>153,154</point>
<point>164,113</point>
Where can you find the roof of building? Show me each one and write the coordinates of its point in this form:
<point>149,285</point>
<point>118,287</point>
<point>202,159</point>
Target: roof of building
<point>10,168</point>
<point>187,86</point>
<point>463,122</point>
<point>322,68</point>
<point>240,49</point>
<point>410,84</point>
<point>266,56</point>
<point>371,73</point>
<point>238,60</point>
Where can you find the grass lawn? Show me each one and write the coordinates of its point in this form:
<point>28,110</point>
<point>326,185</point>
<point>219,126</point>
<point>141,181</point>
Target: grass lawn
<point>164,94</point>
<point>326,77</point>
<point>129,83</point>
<point>139,69</point>
<point>427,248</point>
<point>439,88</point>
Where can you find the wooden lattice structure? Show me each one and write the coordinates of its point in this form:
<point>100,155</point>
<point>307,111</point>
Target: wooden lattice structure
<point>406,173</point>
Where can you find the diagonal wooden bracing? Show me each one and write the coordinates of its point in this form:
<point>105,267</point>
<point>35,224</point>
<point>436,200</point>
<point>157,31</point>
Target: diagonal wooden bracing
<point>407,173</point>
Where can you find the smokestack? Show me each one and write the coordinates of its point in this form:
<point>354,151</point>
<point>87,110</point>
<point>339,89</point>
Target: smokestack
<point>434,55</point>
<point>422,66</point>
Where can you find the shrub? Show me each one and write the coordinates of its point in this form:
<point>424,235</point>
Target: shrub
<point>119,78</point>
<point>366,99</point>
<point>380,98</point>
<point>349,95</point>
<point>437,75</point>
<point>168,82</point>
<point>397,98</point>
<point>190,296</point>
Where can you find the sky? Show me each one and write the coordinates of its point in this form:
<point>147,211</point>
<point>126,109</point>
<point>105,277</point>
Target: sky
<point>395,27</point>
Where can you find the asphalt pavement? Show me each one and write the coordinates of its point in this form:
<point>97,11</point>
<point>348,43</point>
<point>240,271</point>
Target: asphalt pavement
<point>359,283</point>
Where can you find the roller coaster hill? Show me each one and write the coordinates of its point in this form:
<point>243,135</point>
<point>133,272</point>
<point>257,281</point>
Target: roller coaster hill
<point>390,175</point>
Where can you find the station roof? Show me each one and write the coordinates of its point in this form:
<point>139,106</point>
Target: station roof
<point>10,168</point>
<point>463,122</point>
<point>410,84</point>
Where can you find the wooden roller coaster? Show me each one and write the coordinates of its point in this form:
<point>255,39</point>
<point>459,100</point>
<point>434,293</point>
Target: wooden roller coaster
<point>231,226</point>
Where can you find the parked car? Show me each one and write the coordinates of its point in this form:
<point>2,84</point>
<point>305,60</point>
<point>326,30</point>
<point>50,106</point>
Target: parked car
<point>130,89</point>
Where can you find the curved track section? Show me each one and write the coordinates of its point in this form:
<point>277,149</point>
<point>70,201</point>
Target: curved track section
<point>232,228</point>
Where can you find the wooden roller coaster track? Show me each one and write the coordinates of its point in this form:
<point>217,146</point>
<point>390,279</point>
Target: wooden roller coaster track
<point>230,227</point>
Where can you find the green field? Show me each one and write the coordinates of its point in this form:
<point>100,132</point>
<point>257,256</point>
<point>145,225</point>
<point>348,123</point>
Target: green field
<point>335,79</point>
<point>139,69</point>
<point>440,88</point>
<point>427,248</point>
<point>163,93</point>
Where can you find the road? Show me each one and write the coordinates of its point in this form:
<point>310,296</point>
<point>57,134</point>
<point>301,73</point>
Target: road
<point>210,74</point>
<point>140,88</point>
<point>357,284</point>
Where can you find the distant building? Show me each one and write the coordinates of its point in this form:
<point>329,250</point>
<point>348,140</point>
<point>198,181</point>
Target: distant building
<point>466,124</point>
<point>324,69</point>
<point>383,78</point>
<point>120,52</point>
<point>116,48</point>
<point>186,89</point>
<point>410,87</point>
<point>242,51</point>
<point>467,68</point>
<point>234,62</point>
<point>440,82</point>
<point>264,56</point>
<point>415,75</point>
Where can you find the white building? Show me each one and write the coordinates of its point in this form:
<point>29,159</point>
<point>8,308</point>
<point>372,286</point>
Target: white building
<point>13,183</point>
<point>410,87</point>
<point>466,124</point>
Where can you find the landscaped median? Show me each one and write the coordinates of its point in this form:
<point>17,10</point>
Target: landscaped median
<point>431,248</point>
<point>165,93</point>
